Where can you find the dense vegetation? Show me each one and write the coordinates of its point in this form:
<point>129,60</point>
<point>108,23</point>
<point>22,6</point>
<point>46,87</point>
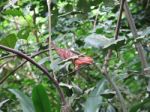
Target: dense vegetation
<point>116,81</point>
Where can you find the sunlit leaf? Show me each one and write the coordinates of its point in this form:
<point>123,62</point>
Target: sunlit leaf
<point>115,44</point>
<point>11,3</point>
<point>13,12</point>
<point>9,41</point>
<point>98,41</point>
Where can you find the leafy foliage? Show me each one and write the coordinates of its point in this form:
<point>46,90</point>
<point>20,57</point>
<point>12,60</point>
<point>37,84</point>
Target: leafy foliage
<point>85,27</point>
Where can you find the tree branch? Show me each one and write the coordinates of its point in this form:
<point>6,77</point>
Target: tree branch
<point>7,61</point>
<point>49,29</point>
<point>19,66</point>
<point>107,58</point>
<point>71,13</point>
<point>135,35</point>
<point>8,56</point>
<point>55,82</point>
<point>35,30</point>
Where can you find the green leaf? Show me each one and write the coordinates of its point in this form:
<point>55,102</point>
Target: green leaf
<point>108,94</point>
<point>43,60</point>
<point>54,66</point>
<point>23,34</point>
<point>83,5</point>
<point>9,41</point>
<point>140,105</point>
<point>115,44</point>
<point>76,89</point>
<point>67,88</point>
<point>3,102</point>
<point>68,7</point>
<point>109,3</point>
<point>97,41</point>
<point>9,4</point>
<point>139,39</point>
<point>13,12</point>
<point>94,100</point>
<point>95,2</point>
<point>146,31</point>
<point>110,108</point>
<point>40,99</point>
<point>25,101</point>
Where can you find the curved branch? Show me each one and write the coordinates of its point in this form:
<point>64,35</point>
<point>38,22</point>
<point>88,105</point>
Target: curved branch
<point>19,66</point>
<point>55,82</point>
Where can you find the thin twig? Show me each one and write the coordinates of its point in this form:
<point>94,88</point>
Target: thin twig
<point>35,30</point>
<point>49,29</point>
<point>8,56</point>
<point>64,103</point>
<point>19,66</point>
<point>135,35</point>
<point>7,61</point>
<point>106,61</point>
<point>147,5</point>
<point>107,58</point>
<point>119,19</point>
<point>95,21</point>
<point>16,23</point>
<point>71,13</point>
